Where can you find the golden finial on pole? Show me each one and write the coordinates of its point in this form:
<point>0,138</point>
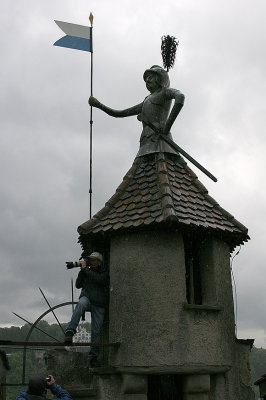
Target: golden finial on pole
<point>91,19</point>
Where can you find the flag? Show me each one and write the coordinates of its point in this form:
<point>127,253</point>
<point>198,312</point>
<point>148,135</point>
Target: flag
<point>77,36</point>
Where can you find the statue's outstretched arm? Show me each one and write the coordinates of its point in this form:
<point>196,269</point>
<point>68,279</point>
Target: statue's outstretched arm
<point>179,99</point>
<point>115,113</point>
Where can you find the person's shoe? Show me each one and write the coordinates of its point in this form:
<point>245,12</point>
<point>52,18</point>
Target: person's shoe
<point>94,363</point>
<point>68,337</point>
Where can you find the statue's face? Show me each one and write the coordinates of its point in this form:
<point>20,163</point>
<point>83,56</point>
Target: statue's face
<point>152,82</point>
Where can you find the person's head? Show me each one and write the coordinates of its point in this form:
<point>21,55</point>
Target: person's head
<point>96,259</point>
<point>37,385</point>
<point>156,77</point>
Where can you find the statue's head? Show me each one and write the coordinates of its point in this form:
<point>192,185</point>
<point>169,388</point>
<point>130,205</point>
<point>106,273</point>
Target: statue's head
<point>161,75</point>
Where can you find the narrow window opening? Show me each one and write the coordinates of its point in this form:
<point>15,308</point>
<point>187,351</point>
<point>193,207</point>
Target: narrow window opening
<point>165,387</point>
<point>193,271</point>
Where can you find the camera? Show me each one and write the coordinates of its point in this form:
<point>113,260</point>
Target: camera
<point>76,264</point>
<point>73,264</point>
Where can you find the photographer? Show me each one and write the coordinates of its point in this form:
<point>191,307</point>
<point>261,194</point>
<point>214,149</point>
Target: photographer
<point>93,281</point>
<point>38,386</point>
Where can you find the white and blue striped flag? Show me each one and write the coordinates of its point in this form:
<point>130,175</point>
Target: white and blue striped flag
<point>77,36</point>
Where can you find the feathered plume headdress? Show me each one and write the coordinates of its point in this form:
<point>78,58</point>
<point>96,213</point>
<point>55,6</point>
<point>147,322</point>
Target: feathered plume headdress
<point>168,50</point>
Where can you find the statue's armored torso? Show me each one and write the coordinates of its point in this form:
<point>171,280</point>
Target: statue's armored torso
<point>155,111</point>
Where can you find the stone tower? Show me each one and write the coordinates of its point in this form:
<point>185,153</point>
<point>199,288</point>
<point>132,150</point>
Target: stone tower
<point>167,245</point>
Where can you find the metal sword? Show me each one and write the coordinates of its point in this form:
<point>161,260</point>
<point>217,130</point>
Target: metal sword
<point>180,150</point>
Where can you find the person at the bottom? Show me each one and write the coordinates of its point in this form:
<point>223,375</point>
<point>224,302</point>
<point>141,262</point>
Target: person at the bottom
<point>37,389</point>
<point>93,280</point>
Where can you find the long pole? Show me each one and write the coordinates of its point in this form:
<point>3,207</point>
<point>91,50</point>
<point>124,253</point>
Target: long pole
<point>72,295</point>
<point>91,120</point>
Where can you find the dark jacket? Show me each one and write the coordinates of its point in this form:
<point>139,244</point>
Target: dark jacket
<point>55,389</point>
<point>94,285</point>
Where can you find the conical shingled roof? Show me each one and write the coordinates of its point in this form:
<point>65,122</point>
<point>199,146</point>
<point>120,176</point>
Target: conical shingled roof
<point>161,189</point>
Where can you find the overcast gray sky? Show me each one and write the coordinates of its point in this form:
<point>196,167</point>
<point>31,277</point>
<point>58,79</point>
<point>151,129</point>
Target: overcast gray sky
<point>44,162</point>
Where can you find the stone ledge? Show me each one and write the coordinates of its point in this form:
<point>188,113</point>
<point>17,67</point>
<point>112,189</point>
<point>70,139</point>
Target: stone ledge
<point>175,369</point>
<point>249,342</point>
<point>162,369</point>
<point>81,391</point>
<point>202,307</point>
<point>106,370</point>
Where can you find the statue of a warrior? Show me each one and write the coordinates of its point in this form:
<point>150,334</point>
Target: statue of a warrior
<point>154,112</point>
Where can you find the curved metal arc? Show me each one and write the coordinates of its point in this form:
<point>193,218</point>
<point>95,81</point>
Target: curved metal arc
<point>47,302</point>
<point>36,327</point>
<point>31,329</point>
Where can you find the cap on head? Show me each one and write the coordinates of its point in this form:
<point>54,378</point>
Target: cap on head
<point>162,74</point>
<point>96,255</point>
<point>37,384</point>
